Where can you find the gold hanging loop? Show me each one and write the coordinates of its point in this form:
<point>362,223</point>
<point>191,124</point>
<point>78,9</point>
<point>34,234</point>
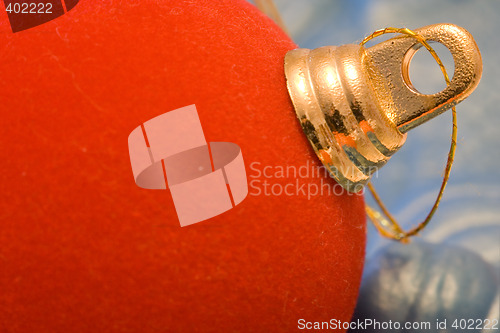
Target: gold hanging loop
<point>385,223</point>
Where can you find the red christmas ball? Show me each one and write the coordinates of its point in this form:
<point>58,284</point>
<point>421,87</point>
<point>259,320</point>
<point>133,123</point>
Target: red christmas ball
<point>84,249</point>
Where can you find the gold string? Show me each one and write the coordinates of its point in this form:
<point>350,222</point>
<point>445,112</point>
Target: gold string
<point>388,226</point>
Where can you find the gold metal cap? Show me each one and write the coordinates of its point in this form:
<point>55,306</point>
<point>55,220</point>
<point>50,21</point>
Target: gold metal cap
<point>355,105</point>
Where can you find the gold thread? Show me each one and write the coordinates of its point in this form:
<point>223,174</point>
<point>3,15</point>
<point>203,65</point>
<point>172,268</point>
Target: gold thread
<point>388,226</point>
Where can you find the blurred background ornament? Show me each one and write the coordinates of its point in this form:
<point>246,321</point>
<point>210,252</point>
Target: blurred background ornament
<point>427,283</point>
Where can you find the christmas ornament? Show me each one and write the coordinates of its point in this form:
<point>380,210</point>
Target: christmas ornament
<point>83,249</point>
<point>438,285</point>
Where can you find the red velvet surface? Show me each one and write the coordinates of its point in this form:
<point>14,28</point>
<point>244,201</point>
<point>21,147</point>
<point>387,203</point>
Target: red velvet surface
<point>83,249</point>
